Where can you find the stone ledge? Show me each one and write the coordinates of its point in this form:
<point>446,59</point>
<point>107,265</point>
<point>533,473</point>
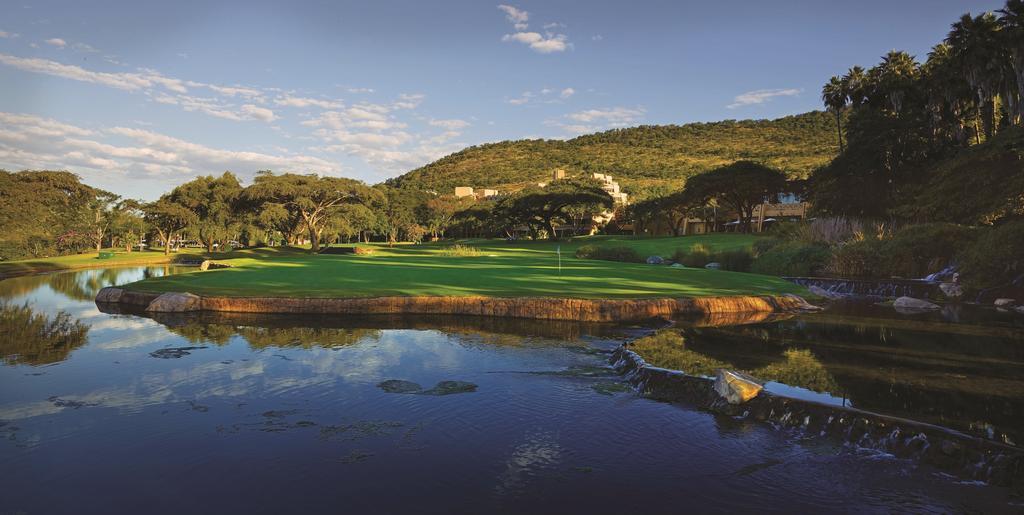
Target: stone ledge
<point>958,453</point>
<point>543,308</point>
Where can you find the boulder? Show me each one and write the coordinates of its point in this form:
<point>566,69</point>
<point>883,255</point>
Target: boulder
<point>1019,309</point>
<point>1004,303</point>
<point>952,290</point>
<point>822,292</point>
<point>173,302</point>
<point>655,260</point>
<point>735,387</point>
<point>109,294</point>
<point>713,266</point>
<point>208,264</point>
<point>912,305</point>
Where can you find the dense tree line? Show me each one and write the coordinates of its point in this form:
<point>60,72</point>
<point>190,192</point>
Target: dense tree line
<point>907,127</point>
<point>51,213</point>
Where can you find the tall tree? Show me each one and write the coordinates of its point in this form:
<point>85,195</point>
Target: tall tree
<point>213,200</point>
<point>168,218</point>
<point>975,43</point>
<point>834,95</point>
<point>740,186</point>
<point>1012,36</point>
<point>314,199</point>
<point>541,207</point>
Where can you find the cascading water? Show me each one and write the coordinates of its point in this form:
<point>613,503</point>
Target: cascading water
<point>924,288</point>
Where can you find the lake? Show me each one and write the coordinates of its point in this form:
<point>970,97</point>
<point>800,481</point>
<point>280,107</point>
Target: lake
<point>123,413</point>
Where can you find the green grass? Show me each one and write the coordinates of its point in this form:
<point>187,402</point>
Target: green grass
<point>122,258</point>
<point>500,270</point>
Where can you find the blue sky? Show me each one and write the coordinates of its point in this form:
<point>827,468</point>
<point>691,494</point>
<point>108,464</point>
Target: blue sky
<point>139,96</point>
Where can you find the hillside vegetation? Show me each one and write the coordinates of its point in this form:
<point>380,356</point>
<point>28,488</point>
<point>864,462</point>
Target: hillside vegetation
<point>639,157</point>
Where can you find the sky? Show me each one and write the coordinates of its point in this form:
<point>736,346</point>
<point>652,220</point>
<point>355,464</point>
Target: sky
<point>139,96</point>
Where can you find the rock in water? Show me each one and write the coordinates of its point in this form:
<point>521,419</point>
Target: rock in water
<point>655,260</point>
<point>912,305</point>
<point>1004,303</point>
<point>736,388</point>
<point>952,290</point>
<point>175,303</point>
<point>713,266</point>
<point>109,294</point>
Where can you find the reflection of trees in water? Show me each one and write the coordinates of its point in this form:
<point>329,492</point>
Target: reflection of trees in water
<point>306,337</point>
<point>31,338</point>
<point>262,330</point>
<point>795,367</point>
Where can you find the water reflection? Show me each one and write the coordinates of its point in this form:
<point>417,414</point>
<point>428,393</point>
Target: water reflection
<point>32,338</point>
<point>498,415</point>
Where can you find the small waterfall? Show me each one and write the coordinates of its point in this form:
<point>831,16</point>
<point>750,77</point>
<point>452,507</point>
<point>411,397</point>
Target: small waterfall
<point>885,288</point>
<point>944,275</point>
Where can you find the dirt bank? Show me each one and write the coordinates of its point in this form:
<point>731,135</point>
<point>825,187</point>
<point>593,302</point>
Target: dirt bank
<point>582,310</point>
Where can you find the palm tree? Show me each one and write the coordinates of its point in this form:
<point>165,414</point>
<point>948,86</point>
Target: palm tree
<point>896,75</point>
<point>855,82</point>
<point>975,43</point>
<point>1012,22</point>
<point>948,94</point>
<point>833,95</point>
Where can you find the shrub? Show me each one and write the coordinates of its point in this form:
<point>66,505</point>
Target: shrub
<point>914,251</point>
<point>793,258</point>
<point>996,258</point>
<point>460,250</point>
<point>624,254</point>
<point>734,260</point>
<point>696,257</point>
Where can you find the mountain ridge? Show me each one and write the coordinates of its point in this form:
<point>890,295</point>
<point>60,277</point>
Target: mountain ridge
<point>640,158</point>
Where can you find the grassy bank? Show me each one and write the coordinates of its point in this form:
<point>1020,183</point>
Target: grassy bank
<point>496,268</point>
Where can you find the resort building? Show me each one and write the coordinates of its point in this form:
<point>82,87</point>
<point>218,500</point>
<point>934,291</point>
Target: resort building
<point>466,191</point>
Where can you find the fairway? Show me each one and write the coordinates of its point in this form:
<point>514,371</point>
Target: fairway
<point>517,269</point>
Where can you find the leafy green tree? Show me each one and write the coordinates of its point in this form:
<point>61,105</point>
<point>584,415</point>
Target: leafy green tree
<point>310,198</point>
<point>214,201</point>
<point>541,207</point>
<point>127,225</point>
<point>740,186</point>
<point>168,218</point>
<point>438,212</point>
<point>397,210</point>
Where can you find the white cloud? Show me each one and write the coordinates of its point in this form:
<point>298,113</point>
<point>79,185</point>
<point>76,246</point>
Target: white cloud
<point>84,48</point>
<point>302,102</point>
<point>761,96</point>
<point>517,17</point>
<point>125,81</point>
<point>544,96</point>
<point>452,125</point>
<point>258,113</point>
<point>57,42</point>
<point>596,37</point>
<point>542,43</point>
<point>57,145</point>
<point>567,92</point>
<point>539,43</point>
<point>8,35</point>
<point>233,91</point>
<point>594,120</point>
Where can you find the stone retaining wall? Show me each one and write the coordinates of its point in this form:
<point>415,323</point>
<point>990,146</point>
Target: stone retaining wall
<point>952,451</point>
<point>583,310</point>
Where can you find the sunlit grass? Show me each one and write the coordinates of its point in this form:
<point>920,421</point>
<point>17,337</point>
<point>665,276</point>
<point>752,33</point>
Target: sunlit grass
<point>501,269</point>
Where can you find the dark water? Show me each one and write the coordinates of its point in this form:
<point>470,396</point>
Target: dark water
<point>119,413</point>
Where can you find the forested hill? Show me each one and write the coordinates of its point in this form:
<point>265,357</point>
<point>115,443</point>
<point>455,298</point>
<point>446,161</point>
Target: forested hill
<point>638,157</point>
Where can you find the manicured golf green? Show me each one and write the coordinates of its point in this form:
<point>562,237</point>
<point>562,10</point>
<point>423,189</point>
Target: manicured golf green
<point>500,269</point>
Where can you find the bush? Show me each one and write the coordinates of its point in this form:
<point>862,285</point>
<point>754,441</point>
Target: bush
<point>734,260</point>
<point>624,254</point>
<point>460,250</point>
<point>996,258</point>
<point>914,252</point>
<point>793,258</point>
<point>696,257</point>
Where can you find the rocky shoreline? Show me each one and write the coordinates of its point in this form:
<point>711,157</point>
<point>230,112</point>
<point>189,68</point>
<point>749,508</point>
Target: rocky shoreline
<point>542,308</point>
